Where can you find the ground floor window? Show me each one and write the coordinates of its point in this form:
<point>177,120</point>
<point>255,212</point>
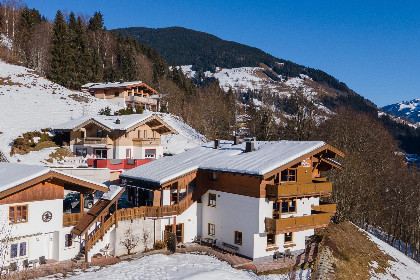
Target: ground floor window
<point>271,239</point>
<point>150,153</point>
<point>288,237</point>
<point>211,229</point>
<point>81,152</point>
<point>101,153</point>
<point>238,237</point>
<point>18,250</point>
<point>68,240</point>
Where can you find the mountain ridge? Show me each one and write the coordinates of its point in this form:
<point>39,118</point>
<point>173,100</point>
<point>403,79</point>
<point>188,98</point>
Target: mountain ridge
<point>409,109</point>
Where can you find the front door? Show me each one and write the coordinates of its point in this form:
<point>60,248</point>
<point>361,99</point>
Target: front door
<point>179,228</point>
<point>51,240</point>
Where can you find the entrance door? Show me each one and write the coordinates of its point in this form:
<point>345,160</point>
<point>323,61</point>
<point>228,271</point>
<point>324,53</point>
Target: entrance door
<point>51,240</point>
<point>179,232</point>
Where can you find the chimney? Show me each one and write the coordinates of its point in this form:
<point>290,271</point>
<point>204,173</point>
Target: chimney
<point>235,140</point>
<point>249,146</point>
<point>117,121</point>
<point>216,143</point>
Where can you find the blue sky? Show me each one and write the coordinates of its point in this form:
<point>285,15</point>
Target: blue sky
<point>372,46</point>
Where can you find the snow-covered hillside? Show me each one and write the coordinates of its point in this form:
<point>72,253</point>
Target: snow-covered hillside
<point>29,101</point>
<point>409,109</point>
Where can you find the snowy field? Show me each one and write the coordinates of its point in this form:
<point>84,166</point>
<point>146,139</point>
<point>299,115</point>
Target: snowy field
<point>177,266</point>
<point>31,102</point>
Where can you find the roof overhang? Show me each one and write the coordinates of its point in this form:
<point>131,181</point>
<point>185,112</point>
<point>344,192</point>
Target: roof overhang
<point>326,151</point>
<point>73,184</point>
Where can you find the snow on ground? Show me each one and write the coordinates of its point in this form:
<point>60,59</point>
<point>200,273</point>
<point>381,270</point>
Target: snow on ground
<point>30,102</point>
<point>187,137</point>
<point>403,268</point>
<point>177,266</point>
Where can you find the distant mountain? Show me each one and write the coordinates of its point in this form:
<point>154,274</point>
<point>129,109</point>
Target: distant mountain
<point>205,52</point>
<point>408,109</point>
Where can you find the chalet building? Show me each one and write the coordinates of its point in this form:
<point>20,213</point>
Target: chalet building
<point>133,93</point>
<point>252,198</point>
<point>34,221</point>
<point>128,137</point>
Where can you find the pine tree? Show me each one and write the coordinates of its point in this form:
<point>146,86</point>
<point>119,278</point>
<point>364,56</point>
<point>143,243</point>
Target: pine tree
<point>60,49</point>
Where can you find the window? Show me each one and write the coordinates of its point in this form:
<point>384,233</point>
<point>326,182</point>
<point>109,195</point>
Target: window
<point>150,153</point>
<point>288,206</point>
<point>100,133</point>
<point>214,176</point>
<point>128,153</point>
<point>139,133</point>
<point>18,250</point>
<point>288,237</point>
<point>238,237</point>
<point>81,152</point>
<point>68,240</point>
<point>101,153</point>
<point>288,175</point>
<point>271,239</point>
<point>116,94</point>
<point>18,214</point>
<point>145,134</point>
<point>211,229</point>
<point>212,200</point>
<point>276,210</point>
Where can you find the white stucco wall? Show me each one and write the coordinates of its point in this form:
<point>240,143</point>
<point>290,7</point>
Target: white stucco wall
<point>232,213</point>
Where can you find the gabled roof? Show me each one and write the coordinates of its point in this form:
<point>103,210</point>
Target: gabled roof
<point>126,123</point>
<point>120,85</point>
<point>15,177</point>
<point>267,157</point>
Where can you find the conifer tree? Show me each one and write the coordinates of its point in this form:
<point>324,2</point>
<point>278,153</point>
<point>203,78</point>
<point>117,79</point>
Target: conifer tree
<point>60,58</point>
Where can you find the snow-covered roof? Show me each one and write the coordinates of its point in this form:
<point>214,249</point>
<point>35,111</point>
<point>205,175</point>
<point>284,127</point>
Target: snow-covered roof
<point>267,156</point>
<point>112,193</point>
<point>111,85</point>
<point>79,178</point>
<point>125,121</point>
<point>14,174</point>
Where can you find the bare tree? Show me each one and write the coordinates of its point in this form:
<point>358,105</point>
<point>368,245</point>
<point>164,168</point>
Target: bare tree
<point>145,238</point>
<point>129,241</point>
<point>5,237</point>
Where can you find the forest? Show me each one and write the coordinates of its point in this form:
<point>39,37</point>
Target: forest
<point>376,188</point>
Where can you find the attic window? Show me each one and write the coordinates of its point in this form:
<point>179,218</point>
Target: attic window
<point>214,176</point>
<point>288,175</point>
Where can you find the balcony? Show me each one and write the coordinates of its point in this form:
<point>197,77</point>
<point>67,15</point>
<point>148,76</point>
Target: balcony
<point>286,190</point>
<point>116,164</point>
<point>94,140</point>
<point>292,224</point>
<point>326,208</point>
<point>146,142</point>
<point>71,219</point>
<point>142,100</point>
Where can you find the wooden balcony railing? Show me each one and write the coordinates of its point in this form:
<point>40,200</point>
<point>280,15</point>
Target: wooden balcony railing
<point>285,190</point>
<point>144,142</point>
<point>327,208</point>
<point>71,219</point>
<point>95,140</point>
<point>292,224</point>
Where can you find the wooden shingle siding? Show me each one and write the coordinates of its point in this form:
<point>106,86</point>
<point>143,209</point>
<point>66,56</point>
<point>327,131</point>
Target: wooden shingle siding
<point>39,192</point>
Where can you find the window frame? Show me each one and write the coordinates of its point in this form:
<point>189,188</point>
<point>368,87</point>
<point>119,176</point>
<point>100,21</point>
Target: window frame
<point>68,243</point>
<point>145,155</point>
<point>211,229</point>
<point>101,149</point>
<point>212,202</point>
<point>81,149</point>
<point>128,153</point>
<point>18,249</point>
<point>274,240</point>
<point>15,214</point>
<point>291,237</point>
<point>236,234</point>
<point>288,206</point>
<point>288,176</point>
